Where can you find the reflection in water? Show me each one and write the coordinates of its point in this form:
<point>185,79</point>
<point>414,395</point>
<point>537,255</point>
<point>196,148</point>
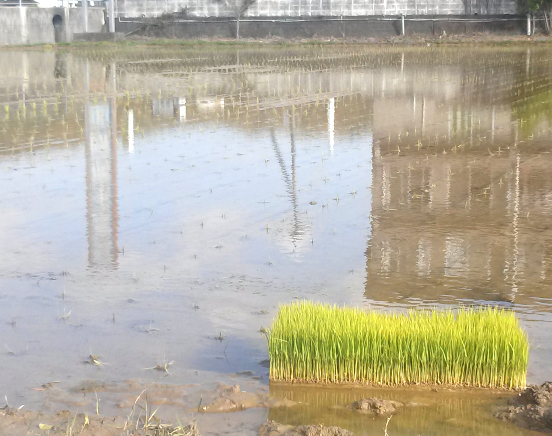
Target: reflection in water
<point>131,131</point>
<point>60,69</point>
<point>425,412</point>
<point>291,183</point>
<point>102,211</point>
<point>101,186</point>
<point>331,122</point>
<point>456,199</point>
<point>249,184</point>
<point>182,109</point>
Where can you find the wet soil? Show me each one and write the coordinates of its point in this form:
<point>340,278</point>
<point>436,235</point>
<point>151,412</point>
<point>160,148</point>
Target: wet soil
<point>531,409</point>
<point>151,409</point>
<point>17,423</point>
<point>272,428</point>
<point>232,399</point>
<point>376,406</point>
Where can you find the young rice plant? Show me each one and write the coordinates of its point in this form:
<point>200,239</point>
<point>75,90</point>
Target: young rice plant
<point>310,342</point>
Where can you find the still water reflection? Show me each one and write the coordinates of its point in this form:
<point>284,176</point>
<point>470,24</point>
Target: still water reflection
<point>153,200</point>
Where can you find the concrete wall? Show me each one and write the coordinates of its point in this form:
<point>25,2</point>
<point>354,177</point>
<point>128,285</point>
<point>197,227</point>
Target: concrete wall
<point>313,8</point>
<point>29,25</point>
<point>326,27</point>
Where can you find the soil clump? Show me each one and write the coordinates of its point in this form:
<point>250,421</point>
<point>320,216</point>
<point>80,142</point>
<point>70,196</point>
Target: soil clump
<point>233,399</point>
<point>271,428</point>
<point>376,406</point>
<point>531,409</point>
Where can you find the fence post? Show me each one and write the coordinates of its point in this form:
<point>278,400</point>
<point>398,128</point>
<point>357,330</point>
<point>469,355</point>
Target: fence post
<point>402,25</point>
<point>528,24</point>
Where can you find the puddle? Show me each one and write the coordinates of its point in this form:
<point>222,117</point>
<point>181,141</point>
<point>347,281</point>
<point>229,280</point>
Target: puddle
<point>158,204</point>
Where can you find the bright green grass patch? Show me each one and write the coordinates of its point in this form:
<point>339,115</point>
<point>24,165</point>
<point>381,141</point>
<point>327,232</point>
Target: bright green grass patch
<point>312,342</point>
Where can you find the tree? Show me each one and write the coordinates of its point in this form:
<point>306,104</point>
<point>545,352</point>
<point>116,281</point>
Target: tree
<point>241,8</point>
<point>543,6</point>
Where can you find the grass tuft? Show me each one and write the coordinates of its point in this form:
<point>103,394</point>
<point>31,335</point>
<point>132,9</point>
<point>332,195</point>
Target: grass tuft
<point>311,342</point>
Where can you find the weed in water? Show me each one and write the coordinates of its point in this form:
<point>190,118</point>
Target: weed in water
<point>164,366</point>
<point>146,422</point>
<point>94,360</point>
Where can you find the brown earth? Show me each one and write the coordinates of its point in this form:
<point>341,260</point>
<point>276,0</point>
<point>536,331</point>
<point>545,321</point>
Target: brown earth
<point>531,409</point>
<point>271,428</point>
<point>376,406</point>
<point>232,399</point>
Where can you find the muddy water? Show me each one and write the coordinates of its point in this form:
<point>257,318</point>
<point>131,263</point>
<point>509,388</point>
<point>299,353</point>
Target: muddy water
<point>158,204</point>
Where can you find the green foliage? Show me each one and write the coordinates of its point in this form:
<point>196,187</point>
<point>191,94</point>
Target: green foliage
<point>534,5</point>
<point>311,342</point>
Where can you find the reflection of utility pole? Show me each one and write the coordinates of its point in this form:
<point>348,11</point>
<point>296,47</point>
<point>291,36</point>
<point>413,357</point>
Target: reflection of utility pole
<point>25,81</point>
<point>331,123</point>
<point>101,176</point>
<point>130,131</point>
<point>423,115</point>
<point>291,184</point>
<point>515,231</point>
<point>294,178</point>
<point>492,125</point>
<point>182,109</point>
<point>114,185</point>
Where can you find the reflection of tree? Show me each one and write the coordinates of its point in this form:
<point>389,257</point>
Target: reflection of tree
<point>531,92</point>
<point>532,110</point>
<point>291,183</point>
<point>60,68</point>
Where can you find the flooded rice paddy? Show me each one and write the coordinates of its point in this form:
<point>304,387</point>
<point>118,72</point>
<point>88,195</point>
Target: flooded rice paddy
<point>158,204</point>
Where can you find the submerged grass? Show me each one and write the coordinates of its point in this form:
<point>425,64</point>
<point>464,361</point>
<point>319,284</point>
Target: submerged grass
<point>311,342</point>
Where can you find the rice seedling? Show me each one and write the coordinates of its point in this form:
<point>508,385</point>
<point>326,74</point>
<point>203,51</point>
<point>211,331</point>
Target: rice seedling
<point>484,347</point>
<point>94,360</point>
<point>164,366</point>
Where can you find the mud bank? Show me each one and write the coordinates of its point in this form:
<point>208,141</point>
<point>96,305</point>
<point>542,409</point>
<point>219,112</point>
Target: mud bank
<point>137,41</point>
<point>531,409</point>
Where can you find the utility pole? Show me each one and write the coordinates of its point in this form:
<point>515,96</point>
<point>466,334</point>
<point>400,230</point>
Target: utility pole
<point>84,9</point>
<point>111,15</point>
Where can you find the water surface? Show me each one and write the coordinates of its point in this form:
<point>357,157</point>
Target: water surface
<point>158,204</point>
